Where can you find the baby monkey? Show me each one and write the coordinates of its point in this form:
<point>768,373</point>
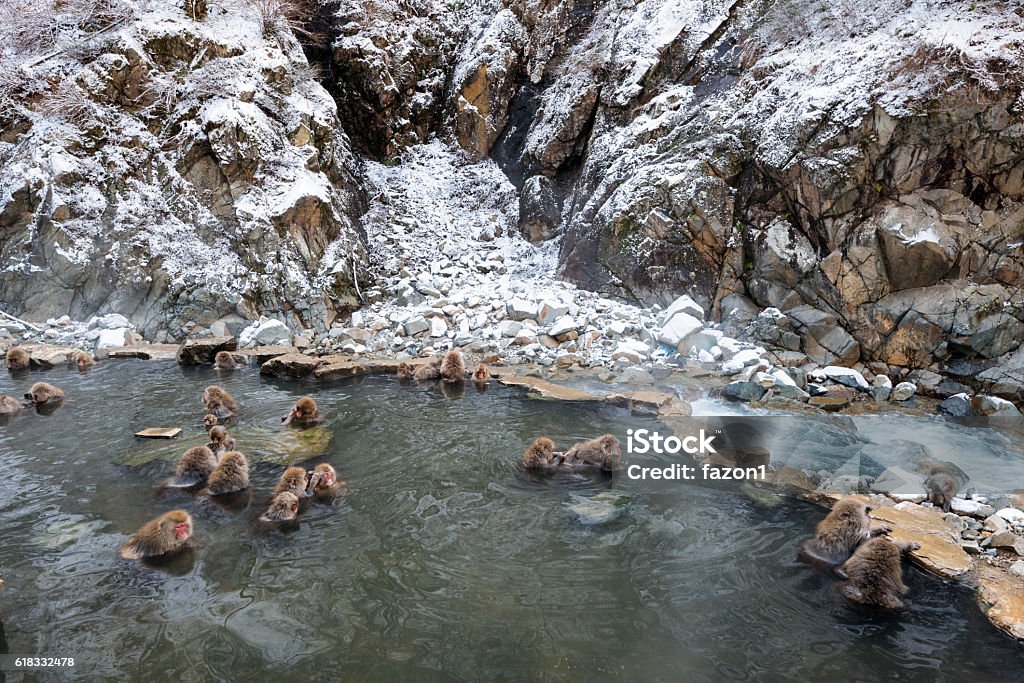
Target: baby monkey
<point>166,534</point>
<point>220,442</point>
<point>874,575</point>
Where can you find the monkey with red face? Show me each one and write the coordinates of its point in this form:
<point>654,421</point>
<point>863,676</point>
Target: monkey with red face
<point>303,414</point>
<point>166,534</point>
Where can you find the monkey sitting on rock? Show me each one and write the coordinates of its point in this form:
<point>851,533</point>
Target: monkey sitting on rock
<point>944,481</point>
<point>873,575</point>
<point>845,527</point>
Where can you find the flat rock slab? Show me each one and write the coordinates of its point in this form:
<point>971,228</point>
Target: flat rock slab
<point>49,355</point>
<point>1001,598</point>
<point>335,368</point>
<point>201,351</point>
<point>293,365</point>
<point>940,551</point>
<point>147,352</point>
<point>651,403</point>
<point>262,354</point>
<point>547,389</point>
<point>159,433</point>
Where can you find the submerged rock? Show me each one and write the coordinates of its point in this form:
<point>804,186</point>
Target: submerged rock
<point>602,508</point>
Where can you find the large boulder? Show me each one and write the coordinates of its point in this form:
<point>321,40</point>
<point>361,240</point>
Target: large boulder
<point>201,351</point>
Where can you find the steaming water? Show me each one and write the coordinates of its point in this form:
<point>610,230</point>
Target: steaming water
<point>443,562</point>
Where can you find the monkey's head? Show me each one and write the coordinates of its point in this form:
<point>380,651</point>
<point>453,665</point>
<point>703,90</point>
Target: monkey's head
<point>83,360</point>
<point>283,507</point>
<point>611,451</point>
<point>17,357</point>
<point>235,459</point>
<point>405,370</point>
<point>209,421</point>
<point>481,373</point>
<point>853,514</point>
<point>326,476</point>
<point>539,452</point>
<point>177,522</point>
<point>218,434</point>
<point>214,393</point>
<point>305,407</point>
<point>41,392</point>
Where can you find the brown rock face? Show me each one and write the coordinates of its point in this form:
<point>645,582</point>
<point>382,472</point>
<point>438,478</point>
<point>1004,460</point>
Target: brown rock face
<point>940,551</point>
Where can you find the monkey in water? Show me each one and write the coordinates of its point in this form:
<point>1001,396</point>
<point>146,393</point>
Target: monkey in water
<point>303,414</point>
<point>194,468</point>
<point>231,475</point>
<point>405,371</point>
<point>429,370</point>
<point>224,361</point>
<point>481,373</point>
<point>453,367</point>
<point>210,421</point>
<point>10,405</point>
<point>324,482</point>
<point>166,534</point>
<point>82,360</point>
<point>220,403</point>
<point>220,442</point>
<point>17,358</point>
<point>43,393</point>
<point>284,507</point>
<point>541,455</point>
<point>294,481</point>
<point>873,575</point>
<point>603,452</point>
<point>943,483</point>
<point>845,527</point>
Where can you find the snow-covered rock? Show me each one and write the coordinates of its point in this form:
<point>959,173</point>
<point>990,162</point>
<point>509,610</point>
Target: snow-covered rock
<point>677,328</point>
<point>265,331</point>
<point>903,391</point>
<point>685,304</point>
<point>847,376</point>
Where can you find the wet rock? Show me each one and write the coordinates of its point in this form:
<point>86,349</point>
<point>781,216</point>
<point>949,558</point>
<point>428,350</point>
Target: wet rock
<point>940,551</point>
<point>744,390</point>
<point>973,508</point>
<point>146,352</point>
<point>903,391</point>
<point>828,403</point>
<point>602,508</point>
<point>340,367</point>
<point>202,351</point>
<point>958,405</point>
<point>1001,597</point>
<point>993,406</point>
<point>548,389</point>
<point>49,356</point>
<point>292,365</point>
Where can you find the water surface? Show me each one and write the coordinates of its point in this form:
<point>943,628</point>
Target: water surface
<point>443,562</point>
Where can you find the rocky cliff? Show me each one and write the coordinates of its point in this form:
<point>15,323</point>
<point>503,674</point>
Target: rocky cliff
<point>857,165</point>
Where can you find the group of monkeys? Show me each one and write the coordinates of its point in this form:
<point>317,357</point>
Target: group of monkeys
<point>218,470</point>
<point>42,396</point>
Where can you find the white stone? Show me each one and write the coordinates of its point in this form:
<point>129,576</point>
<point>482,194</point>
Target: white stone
<point>632,350</point>
<point>962,506</point>
<point>1011,515</point>
<point>562,326</point>
<point>550,311</point>
<point>616,328</point>
<point>729,346</point>
<point>509,328</point>
<point>266,331</point>
<point>677,328</point>
<point>703,340</point>
<point>438,327</point>
<point>686,305</point>
<point>111,321</point>
<point>357,319</point>
<point>764,380</point>
<point>903,391</point>
<point>847,376</point>
<point>111,338</point>
<point>882,381</point>
<point>521,309</point>
<point>706,356</point>
<point>782,378</point>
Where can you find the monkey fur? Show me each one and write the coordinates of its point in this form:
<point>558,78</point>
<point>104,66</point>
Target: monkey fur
<point>283,508</point>
<point>194,467</point>
<point>405,371</point>
<point>540,454</point>
<point>324,481</point>
<point>303,413</point>
<point>10,405</point>
<point>453,367</point>
<point>220,442</point>
<point>873,575</point>
<point>83,360</point>
<point>429,370</point>
<point>166,534</point>
<point>481,373</point>
<point>42,393</point>
<point>603,452</point>
<point>220,403</point>
<point>17,358</point>
<point>293,480</point>
<point>845,527</point>
<point>944,481</point>
<point>224,360</point>
<point>231,474</point>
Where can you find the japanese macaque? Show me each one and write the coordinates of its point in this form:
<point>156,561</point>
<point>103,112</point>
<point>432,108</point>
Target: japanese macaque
<point>845,527</point>
<point>429,370</point>
<point>220,442</point>
<point>303,413</point>
<point>405,371</point>
<point>453,367</point>
<point>194,467</point>
<point>943,483</point>
<point>873,575</point>
<point>224,361</point>
<point>210,421</point>
<point>17,358</point>
<point>83,360</point>
<point>481,374</point>
<point>220,403</point>
<point>9,405</point>
<point>231,474</point>
<point>603,452</point>
<point>43,393</point>
<point>540,454</point>
<point>283,508</point>
<point>294,481</point>
<point>167,533</point>
<point>324,482</point>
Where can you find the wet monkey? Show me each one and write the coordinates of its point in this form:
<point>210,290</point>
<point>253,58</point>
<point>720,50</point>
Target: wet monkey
<point>224,360</point>
<point>220,442</point>
<point>230,475</point>
<point>303,413</point>
<point>324,482</point>
<point>845,527</point>
<point>82,360</point>
<point>293,480</point>
<point>540,454</point>
<point>10,405</point>
<point>429,370</point>
<point>43,393</point>
<point>166,534</point>
<point>220,403</point>
<point>284,507</point>
<point>194,468</point>
<point>604,452</point>
<point>453,367</point>
<point>405,371</point>
<point>874,573</point>
<point>17,358</point>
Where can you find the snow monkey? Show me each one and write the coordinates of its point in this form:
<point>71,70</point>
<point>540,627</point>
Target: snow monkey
<point>283,508</point>
<point>292,480</point>
<point>944,481</point>
<point>166,534</point>
<point>83,360</point>
<point>603,452</point>
<point>17,358</point>
<point>429,370</point>
<point>224,360</point>
<point>324,482</point>
<point>405,371</point>
<point>195,466</point>
<point>220,442</point>
<point>874,575</point>
<point>303,413</point>
<point>220,403</point>
<point>845,527</point>
<point>42,393</point>
<point>453,367</point>
<point>540,454</point>
<point>231,475</point>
